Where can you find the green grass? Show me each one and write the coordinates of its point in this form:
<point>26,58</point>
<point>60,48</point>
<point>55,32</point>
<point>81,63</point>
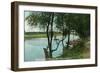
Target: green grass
<point>73,53</point>
<point>35,36</point>
<point>38,35</point>
<point>79,51</point>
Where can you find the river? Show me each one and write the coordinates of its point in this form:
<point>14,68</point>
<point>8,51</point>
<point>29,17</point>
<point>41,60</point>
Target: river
<point>33,48</point>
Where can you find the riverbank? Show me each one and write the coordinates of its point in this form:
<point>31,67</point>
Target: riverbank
<point>38,35</point>
<point>79,51</point>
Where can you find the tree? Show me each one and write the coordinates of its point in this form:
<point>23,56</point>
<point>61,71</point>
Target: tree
<point>82,25</point>
<point>64,22</point>
<point>45,21</point>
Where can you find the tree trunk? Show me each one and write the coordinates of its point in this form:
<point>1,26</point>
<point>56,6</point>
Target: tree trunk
<point>51,34</point>
<point>48,37</point>
<point>63,31</point>
<point>68,42</point>
<point>46,53</point>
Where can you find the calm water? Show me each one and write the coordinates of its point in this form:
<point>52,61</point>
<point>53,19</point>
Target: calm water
<point>34,48</point>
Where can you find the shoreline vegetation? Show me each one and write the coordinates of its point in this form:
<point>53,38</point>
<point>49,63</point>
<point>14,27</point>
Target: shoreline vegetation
<point>80,51</point>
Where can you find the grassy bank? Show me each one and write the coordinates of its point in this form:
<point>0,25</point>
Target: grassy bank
<point>79,51</point>
<point>35,36</point>
<point>38,35</point>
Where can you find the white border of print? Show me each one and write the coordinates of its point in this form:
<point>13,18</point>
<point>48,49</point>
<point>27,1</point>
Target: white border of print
<point>34,64</point>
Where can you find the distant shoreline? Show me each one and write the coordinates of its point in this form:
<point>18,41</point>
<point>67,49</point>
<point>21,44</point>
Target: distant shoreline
<point>28,35</point>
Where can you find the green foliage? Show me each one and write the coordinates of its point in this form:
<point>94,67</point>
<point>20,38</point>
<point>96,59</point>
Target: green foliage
<point>33,18</point>
<point>82,25</point>
<point>44,19</point>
